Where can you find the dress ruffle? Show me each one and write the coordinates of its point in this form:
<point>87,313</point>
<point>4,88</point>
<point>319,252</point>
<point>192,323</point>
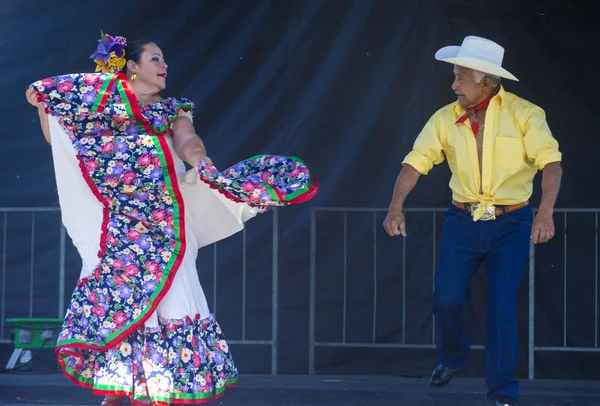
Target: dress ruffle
<point>180,361</point>
<point>263,180</point>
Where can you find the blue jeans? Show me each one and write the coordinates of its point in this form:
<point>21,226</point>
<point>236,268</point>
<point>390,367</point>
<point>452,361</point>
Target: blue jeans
<point>503,246</point>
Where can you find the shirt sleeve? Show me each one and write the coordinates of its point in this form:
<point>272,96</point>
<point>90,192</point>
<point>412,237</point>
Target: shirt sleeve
<point>427,149</point>
<point>540,146</point>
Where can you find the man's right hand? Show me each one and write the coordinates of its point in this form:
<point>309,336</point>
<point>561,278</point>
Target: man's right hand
<point>394,223</point>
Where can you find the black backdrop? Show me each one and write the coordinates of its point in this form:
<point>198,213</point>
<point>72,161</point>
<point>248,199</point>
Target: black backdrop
<point>346,85</point>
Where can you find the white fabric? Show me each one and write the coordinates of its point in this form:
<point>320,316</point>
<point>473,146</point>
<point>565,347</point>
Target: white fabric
<point>80,209</point>
<point>476,53</point>
<point>209,217</point>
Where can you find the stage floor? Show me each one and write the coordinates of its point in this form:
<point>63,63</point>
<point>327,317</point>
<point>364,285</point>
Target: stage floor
<point>26,389</point>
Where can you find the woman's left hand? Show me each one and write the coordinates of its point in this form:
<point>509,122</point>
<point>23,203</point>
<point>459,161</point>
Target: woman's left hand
<point>205,159</point>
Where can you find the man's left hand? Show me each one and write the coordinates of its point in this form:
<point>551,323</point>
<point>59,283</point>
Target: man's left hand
<point>542,229</point>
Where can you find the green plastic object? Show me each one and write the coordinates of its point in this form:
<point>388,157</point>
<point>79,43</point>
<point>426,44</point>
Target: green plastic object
<point>36,333</point>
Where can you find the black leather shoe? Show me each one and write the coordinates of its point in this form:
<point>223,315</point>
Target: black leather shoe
<point>505,401</point>
<point>441,375</point>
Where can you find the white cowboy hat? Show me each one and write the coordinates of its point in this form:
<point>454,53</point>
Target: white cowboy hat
<point>476,53</point>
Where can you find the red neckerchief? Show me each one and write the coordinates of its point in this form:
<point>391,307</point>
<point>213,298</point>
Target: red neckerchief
<point>471,113</point>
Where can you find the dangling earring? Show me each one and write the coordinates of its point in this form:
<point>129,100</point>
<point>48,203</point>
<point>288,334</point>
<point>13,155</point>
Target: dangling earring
<point>133,77</point>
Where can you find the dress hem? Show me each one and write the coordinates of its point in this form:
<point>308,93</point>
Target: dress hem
<point>212,396</point>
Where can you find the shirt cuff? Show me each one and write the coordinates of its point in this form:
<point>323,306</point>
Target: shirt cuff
<point>420,162</point>
<point>547,158</point>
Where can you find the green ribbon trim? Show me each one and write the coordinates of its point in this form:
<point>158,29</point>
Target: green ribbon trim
<point>100,99</point>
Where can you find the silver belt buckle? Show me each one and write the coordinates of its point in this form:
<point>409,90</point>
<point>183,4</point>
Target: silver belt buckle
<point>488,214</point>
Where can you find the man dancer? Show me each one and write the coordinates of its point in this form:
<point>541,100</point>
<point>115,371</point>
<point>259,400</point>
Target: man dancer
<point>494,142</point>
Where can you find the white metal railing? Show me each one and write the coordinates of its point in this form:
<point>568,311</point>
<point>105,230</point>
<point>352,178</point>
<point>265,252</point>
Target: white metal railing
<point>59,272</point>
<point>402,341</point>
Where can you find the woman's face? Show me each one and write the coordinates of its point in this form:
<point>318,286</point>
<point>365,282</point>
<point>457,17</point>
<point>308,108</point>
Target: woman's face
<point>151,71</point>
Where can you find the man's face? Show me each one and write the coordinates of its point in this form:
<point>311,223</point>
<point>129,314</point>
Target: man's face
<point>468,91</point>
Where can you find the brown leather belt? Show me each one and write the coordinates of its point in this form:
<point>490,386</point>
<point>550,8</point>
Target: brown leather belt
<point>500,210</point>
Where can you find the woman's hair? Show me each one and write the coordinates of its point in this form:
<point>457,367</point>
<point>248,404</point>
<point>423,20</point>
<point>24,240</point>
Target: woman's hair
<point>134,51</point>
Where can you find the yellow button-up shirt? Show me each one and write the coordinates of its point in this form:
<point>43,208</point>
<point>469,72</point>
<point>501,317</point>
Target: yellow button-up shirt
<point>517,142</point>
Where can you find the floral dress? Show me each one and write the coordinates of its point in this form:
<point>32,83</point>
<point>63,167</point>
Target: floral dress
<point>138,323</point>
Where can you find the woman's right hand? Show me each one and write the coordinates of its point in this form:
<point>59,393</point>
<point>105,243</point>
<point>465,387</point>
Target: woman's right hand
<point>31,96</point>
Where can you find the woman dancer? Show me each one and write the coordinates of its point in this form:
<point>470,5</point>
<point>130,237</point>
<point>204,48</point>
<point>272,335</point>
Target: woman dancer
<point>138,323</point>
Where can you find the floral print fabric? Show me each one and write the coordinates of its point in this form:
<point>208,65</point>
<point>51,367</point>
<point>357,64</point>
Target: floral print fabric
<point>264,180</point>
<point>178,362</point>
<point>127,168</point>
